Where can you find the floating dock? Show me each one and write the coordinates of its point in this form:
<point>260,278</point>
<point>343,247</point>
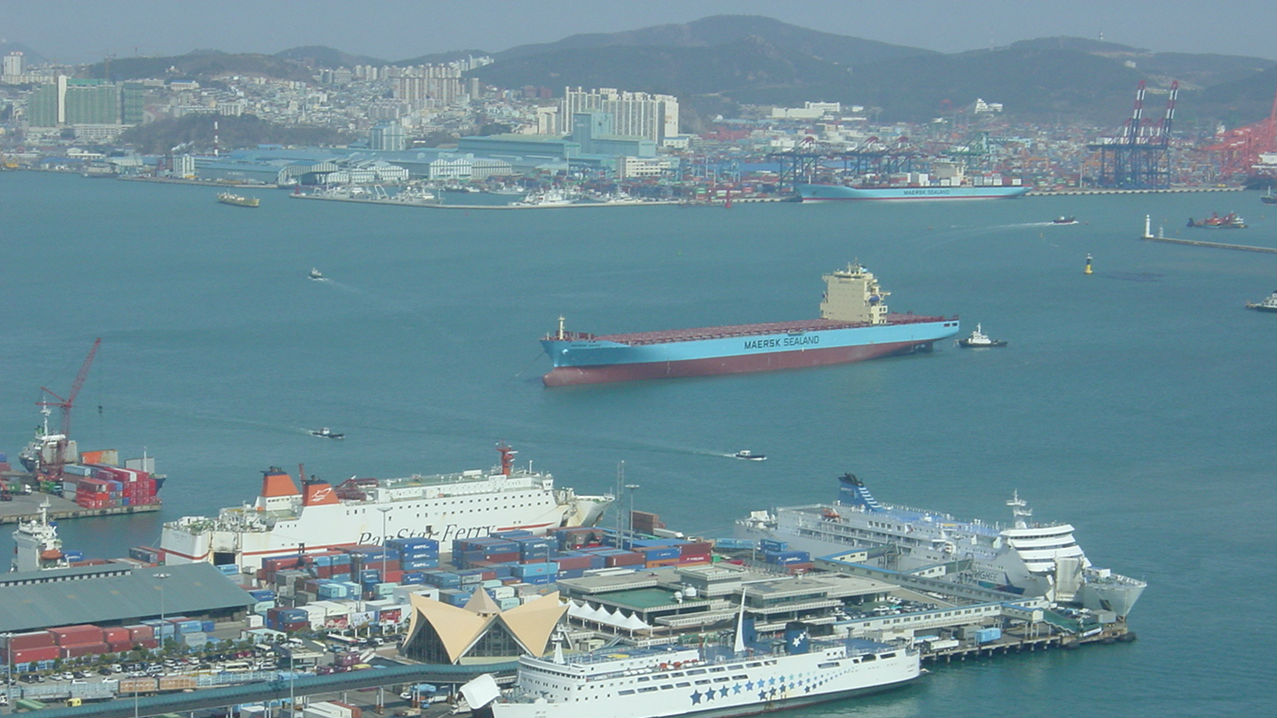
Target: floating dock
<point>1149,236</point>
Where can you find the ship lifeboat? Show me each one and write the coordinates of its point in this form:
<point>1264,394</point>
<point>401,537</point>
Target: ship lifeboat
<point>830,514</point>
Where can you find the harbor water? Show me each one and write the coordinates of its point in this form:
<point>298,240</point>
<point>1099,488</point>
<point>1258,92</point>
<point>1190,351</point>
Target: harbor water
<point>1138,403</point>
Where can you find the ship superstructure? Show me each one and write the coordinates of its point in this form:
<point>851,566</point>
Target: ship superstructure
<point>36,545</point>
<point>1031,559</point>
<point>287,521</point>
<point>855,324</point>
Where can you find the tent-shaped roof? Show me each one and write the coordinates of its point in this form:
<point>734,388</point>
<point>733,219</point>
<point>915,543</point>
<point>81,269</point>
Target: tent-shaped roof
<point>460,628</point>
<point>457,628</point>
<point>532,623</point>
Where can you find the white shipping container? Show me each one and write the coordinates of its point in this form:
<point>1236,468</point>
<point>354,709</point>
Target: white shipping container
<point>325,709</point>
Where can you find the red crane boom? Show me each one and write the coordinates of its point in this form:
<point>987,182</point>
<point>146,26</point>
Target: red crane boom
<point>68,402</point>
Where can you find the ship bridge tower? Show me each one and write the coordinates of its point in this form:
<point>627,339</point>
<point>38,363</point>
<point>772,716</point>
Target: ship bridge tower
<point>853,295</point>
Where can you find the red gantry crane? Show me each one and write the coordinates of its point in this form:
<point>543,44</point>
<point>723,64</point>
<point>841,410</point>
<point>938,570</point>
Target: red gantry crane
<point>68,402</point>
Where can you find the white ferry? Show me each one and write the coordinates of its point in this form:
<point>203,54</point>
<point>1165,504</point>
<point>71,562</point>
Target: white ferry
<point>711,680</point>
<point>1038,559</point>
<point>285,520</point>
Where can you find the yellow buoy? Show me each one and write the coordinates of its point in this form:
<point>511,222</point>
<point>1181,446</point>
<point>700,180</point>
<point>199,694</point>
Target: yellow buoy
<point>1088,265</point>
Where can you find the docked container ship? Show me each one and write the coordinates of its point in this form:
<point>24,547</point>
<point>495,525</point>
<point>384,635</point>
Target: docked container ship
<point>1029,559</point>
<point>287,521</point>
<point>854,325</point>
<point>838,192</point>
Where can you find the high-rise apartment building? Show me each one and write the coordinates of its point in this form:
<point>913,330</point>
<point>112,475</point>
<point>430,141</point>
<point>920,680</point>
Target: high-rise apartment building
<point>634,114</point>
<point>72,101</point>
<point>428,85</point>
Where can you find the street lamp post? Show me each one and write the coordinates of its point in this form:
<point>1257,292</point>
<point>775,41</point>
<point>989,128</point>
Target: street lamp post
<point>160,577</point>
<point>384,510</point>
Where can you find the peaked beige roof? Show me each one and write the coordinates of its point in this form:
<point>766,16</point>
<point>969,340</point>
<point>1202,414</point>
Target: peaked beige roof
<point>458,628</point>
<point>481,603</point>
<point>533,622</point>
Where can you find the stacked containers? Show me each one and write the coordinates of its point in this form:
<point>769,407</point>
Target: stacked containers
<point>142,636</point>
<point>415,553</point>
<point>694,552</point>
<point>535,549</point>
<point>287,619</point>
<point>536,573</point>
<point>467,553</point>
<point>79,640</point>
<point>28,648</point>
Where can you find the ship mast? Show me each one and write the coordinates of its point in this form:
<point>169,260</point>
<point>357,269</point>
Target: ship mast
<point>1019,509</point>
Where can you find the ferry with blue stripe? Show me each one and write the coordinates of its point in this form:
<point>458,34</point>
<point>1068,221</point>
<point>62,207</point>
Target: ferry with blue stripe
<point>854,325</point>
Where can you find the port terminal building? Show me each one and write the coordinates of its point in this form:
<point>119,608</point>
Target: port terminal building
<point>115,593</point>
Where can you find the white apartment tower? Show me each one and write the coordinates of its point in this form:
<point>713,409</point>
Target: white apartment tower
<point>634,114</point>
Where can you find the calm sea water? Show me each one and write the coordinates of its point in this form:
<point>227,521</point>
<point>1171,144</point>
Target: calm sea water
<point>1138,403</point>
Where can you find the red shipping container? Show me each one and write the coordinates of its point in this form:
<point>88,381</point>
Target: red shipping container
<point>696,548</point>
<point>148,644</point>
<point>794,568</point>
<point>76,650</point>
<point>82,633</point>
<point>120,646</point>
<point>700,558</point>
<point>657,563</point>
<point>505,557</point>
<point>393,575</point>
<point>140,633</point>
<point>34,639</point>
<point>31,655</point>
<point>119,633</point>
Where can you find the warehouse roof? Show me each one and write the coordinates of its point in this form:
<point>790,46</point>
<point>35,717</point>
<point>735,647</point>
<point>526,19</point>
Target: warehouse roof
<point>116,592</point>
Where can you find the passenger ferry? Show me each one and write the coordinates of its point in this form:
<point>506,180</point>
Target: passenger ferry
<point>285,520</point>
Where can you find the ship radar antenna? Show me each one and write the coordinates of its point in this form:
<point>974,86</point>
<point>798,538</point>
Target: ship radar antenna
<point>562,334</point>
<point>1019,508</point>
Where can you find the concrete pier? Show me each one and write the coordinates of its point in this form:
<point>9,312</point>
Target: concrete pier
<point>1148,235</point>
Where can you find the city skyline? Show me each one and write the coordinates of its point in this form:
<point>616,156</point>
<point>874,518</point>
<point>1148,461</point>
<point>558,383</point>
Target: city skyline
<point>73,32</point>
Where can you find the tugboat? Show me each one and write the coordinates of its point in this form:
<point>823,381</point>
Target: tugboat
<point>1268,197</point>
<point>326,433</point>
<point>1064,220</point>
<point>747,455</point>
<point>1215,221</point>
<point>980,340</point>
<point>317,275</point>
<point>1267,305</point>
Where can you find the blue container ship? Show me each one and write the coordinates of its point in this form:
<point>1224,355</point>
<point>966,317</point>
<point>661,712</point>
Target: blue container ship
<point>855,324</point>
<point>838,192</point>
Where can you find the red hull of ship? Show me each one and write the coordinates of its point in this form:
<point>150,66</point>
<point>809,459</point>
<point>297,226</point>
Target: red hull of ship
<point>742,364</point>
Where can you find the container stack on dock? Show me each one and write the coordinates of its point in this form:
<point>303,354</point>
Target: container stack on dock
<point>37,650</point>
<point>97,486</point>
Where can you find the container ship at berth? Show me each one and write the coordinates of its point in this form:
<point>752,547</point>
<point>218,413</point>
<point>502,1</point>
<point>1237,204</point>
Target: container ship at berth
<point>854,325</point>
<point>286,521</point>
<point>838,192</point>
<point>947,180</point>
<point>1029,559</point>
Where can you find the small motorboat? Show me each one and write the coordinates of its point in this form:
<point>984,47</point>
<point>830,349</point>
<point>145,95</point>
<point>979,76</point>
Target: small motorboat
<point>1064,220</point>
<point>747,455</point>
<point>326,433</point>
<point>980,340</point>
<point>317,275</point>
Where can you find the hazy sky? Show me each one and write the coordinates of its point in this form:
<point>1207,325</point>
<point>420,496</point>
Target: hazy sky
<point>87,30</point>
